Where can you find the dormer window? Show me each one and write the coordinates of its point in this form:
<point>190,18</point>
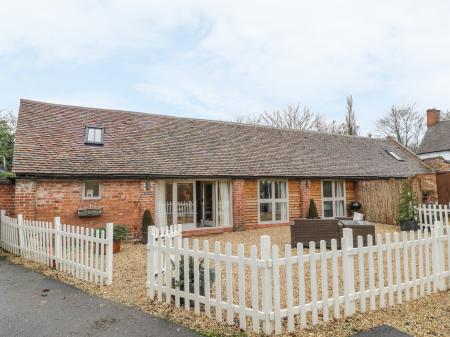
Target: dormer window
<point>93,135</point>
<point>395,155</point>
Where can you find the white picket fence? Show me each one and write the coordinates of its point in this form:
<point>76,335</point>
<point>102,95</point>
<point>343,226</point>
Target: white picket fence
<point>85,253</point>
<point>281,293</point>
<point>162,236</point>
<point>427,214</point>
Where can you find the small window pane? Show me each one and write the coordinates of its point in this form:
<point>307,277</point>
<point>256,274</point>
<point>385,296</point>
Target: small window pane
<point>91,135</point>
<point>327,209</point>
<point>339,188</point>
<point>280,190</point>
<point>265,211</point>
<point>281,211</point>
<point>98,135</point>
<point>265,189</point>
<point>92,189</point>
<point>327,189</point>
<point>340,208</point>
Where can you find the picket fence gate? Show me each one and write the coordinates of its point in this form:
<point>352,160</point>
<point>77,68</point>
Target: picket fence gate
<point>427,214</point>
<point>85,253</point>
<point>273,293</point>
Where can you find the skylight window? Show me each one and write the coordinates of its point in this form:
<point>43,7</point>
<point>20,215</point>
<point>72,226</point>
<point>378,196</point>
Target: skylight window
<point>93,135</point>
<point>395,155</point>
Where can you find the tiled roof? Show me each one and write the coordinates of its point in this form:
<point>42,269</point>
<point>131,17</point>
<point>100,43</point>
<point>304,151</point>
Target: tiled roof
<point>50,141</point>
<point>436,139</point>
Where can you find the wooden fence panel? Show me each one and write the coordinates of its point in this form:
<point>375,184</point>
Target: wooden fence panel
<point>73,250</point>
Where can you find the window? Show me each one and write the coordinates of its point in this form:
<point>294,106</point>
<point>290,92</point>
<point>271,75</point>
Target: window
<point>395,155</point>
<point>273,201</point>
<point>93,135</point>
<point>91,190</point>
<point>333,198</point>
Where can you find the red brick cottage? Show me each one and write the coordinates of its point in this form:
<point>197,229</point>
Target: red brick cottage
<point>92,166</point>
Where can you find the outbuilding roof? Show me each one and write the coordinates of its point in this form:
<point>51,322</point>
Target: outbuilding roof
<point>50,141</point>
<point>436,139</point>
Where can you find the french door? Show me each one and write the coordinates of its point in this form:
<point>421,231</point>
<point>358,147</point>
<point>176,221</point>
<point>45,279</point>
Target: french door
<point>193,203</point>
<point>176,203</point>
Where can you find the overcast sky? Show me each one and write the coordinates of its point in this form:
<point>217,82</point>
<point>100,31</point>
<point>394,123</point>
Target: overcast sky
<point>223,59</point>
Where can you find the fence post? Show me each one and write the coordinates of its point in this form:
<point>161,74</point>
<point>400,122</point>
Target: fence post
<point>58,246</point>
<point>349,272</point>
<point>151,263</point>
<point>109,252</point>
<point>21,236</point>
<point>438,254</point>
<point>266,255</point>
<point>2,219</point>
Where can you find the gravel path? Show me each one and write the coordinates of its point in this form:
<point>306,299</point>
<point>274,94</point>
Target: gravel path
<point>427,316</point>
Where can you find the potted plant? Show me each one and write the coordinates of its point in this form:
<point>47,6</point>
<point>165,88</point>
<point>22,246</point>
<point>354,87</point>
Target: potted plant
<point>407,213</point>
<point>147,220</point>
<point>119,233</point>
<point>312,211</point>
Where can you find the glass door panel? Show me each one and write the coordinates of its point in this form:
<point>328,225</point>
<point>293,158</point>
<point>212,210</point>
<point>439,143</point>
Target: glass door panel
<point>185,203</point>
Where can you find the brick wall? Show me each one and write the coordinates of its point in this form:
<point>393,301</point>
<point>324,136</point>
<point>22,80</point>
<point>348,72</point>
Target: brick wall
<point>426,187</point>
<point>305,197</point>
<point>25,198</point>
<point>122,201</point>
<point>438,163</point>
<point>238,201</point>
<point>7,196</point>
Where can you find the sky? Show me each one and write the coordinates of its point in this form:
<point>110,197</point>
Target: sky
<point>227,59</point>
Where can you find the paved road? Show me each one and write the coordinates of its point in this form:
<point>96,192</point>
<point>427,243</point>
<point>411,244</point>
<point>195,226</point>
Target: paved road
<point>382,331</point>
<point>33,305</point>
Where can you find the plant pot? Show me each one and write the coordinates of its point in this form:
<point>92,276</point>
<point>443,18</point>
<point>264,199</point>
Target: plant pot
<point>116,246</point>
<point>410,225</point>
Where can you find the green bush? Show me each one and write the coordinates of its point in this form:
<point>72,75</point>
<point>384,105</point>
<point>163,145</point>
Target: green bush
<point>312,212</point>
<point>408,202</point>
<point>201,267</point>
<point>147,220</point>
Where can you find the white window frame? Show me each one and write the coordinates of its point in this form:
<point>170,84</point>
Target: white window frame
<point>273,201</point>
<point>333,198</point>
<point>84,197</point>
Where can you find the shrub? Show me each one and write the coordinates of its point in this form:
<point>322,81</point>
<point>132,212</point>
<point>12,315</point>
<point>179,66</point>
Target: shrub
<point>180,283</point>
<point>408,202</point>
<point>147,220</point>
<point>312,212</point>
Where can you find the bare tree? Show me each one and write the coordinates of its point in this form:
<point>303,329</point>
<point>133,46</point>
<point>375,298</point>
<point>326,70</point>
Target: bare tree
<point>403,123</point>
<point>445,116</point>
<point>350,126</point>
<point>291,117</point>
